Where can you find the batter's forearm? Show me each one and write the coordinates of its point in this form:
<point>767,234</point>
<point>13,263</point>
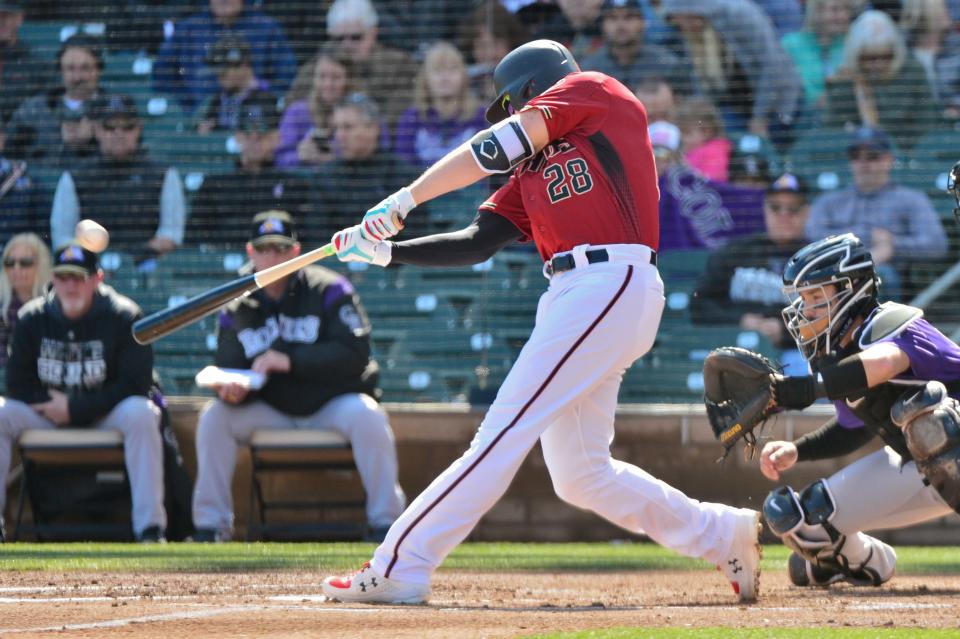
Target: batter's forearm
<point>454,171</point>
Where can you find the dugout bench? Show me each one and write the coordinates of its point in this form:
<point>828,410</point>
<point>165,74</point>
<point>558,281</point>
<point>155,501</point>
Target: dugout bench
<point>295,450</point>
<point>73,471</point>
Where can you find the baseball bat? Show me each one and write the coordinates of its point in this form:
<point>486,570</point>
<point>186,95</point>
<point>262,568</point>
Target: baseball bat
<point>160,324</point>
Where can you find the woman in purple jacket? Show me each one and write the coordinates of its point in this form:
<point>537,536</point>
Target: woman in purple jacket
<point>445,113</point>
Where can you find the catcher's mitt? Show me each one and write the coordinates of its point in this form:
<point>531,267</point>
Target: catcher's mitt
<point>738,391</point>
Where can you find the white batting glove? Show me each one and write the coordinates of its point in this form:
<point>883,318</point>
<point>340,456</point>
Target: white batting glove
<point>352,246</point>
<point>386,219</point>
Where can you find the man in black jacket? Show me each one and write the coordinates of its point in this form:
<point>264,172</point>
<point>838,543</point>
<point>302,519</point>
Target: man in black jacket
<point>309,336</point>
<point>73,362</point>
<point>742,283</point>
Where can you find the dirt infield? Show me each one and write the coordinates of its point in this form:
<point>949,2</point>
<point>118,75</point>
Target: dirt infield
<point>288,604</point>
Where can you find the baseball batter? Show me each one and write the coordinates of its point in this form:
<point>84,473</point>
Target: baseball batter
<point>890,374</point>
<point>584,189</point>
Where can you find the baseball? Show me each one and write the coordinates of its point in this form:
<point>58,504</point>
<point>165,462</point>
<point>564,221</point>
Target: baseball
<point>92,236</point>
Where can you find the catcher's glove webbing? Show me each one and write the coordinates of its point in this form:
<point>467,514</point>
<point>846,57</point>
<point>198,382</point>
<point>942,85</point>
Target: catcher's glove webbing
<point>738,391</point>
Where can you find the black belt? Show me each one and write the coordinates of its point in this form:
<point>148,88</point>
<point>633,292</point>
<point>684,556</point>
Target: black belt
<point>566,262</point>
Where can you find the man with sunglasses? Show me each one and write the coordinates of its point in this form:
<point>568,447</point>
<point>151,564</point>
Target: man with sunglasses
<point>583,189</point>
<point>311,338</point>
<point>897,223</point>
<point>142,202</point>
<point>741,284</point>
<point>73,363</point>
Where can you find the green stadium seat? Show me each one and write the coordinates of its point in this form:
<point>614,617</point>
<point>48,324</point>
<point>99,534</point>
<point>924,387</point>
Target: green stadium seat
<point>752,144</point>
<point>819,156</point>
<point>930,160</point>
<point>45,38</point>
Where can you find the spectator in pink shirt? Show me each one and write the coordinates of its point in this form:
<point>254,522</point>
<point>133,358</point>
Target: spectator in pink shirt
<point>706,148</point>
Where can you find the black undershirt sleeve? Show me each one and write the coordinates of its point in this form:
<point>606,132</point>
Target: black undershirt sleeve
<point>487,234</point>
<point>831,440</point>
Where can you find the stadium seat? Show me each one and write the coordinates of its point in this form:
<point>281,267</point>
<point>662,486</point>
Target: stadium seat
<point>819,156</point>
<point>929,162</point>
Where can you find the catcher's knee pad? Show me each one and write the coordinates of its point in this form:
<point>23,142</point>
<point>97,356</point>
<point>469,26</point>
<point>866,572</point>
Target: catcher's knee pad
<point>801,520</point>
<point>930,420</point>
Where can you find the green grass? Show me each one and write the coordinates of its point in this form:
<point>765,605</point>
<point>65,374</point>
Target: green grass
<point>338,556</point>
<point>753,633</point>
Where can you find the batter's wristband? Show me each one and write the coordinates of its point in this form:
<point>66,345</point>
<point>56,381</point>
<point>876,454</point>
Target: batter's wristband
<point>845,379</point>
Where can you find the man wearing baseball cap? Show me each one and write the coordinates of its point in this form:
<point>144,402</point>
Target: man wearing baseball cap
<point>73,362</point>
<point>898,224</point>
<point>742,283</point>
<point>238,83</point>
<point>628,57</point>
<point>141,201</point>
<point>221,210</point>
<point>310,336</point>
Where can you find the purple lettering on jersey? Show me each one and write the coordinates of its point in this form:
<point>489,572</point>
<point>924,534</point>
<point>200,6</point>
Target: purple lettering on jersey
<point>225,320</point>
<point>339,289</point>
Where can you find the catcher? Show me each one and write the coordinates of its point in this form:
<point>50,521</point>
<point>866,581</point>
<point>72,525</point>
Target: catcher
<point>890,374</point>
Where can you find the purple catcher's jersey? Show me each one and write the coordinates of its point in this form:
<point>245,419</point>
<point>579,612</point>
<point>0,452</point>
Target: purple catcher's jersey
<point>933,356</point>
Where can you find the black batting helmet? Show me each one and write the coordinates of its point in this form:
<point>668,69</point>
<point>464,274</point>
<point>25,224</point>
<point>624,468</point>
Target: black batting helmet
<point>843,263</point>
<point>525,73</point>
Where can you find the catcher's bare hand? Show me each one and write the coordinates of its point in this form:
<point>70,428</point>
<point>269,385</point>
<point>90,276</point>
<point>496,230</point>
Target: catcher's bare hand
<point>777,457</point>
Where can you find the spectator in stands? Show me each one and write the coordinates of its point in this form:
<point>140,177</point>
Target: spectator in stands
<point>362,171</point>
<point>306,137</point>
<point>445,113</point>
<point>78,144</point>
<point>696,212</point>
<point>577,26</point>
<point>929,35</point>
<point>414,24</point>
<point>141,202</point>
<point>310,336</point>
<point>485,36</point>
<point>222,208</point>
<point>743,281</point>
<point>21,202</point>
<point>23,73</point>
<point>748,170</point>
<point>898,224</point>
<point>817,49</point>
<point>705,147</point>
<point>230,59</point>
<point>385,72</point>
<point>740,65</point>
<point>181,67</point>
<point>33,132</point>
<point>627,56</point>
<point>786,15</point>
<point>658,99</point>
<point>26,273</point>
<point>73,362</point>
<point>879,84</point>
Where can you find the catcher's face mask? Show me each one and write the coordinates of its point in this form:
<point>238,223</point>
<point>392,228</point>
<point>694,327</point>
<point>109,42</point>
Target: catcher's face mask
<point>953,178</point>
<point>813,313</point>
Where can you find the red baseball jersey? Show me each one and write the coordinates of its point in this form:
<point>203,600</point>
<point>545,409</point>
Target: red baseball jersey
<point>596,182</point>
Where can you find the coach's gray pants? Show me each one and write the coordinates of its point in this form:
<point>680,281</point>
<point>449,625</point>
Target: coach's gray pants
<point>138,419</point>
<point>359,418</point>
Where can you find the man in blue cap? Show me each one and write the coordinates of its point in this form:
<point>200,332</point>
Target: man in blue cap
<point>895,222</point>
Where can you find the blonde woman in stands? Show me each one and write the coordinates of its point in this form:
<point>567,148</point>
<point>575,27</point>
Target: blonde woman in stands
<point>305,130</point>
<point>26,272</point>
<point>929,33</point>
<point>445,112</point>
<point>880,84</point>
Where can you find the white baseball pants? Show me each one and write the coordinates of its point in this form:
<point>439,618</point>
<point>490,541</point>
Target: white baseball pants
<point>876,493</point>
<point>138,419</point>
<point>592,323</point>
<point>359,418</point>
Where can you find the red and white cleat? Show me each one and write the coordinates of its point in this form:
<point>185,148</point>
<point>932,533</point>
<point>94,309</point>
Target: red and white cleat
<point>742,565</point>
<point>366,586</point>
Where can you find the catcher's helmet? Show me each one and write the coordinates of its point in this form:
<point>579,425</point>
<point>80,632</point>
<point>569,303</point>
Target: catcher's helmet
<point>953,186</point>
<point>525,73</point>
<point>820,319</point>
